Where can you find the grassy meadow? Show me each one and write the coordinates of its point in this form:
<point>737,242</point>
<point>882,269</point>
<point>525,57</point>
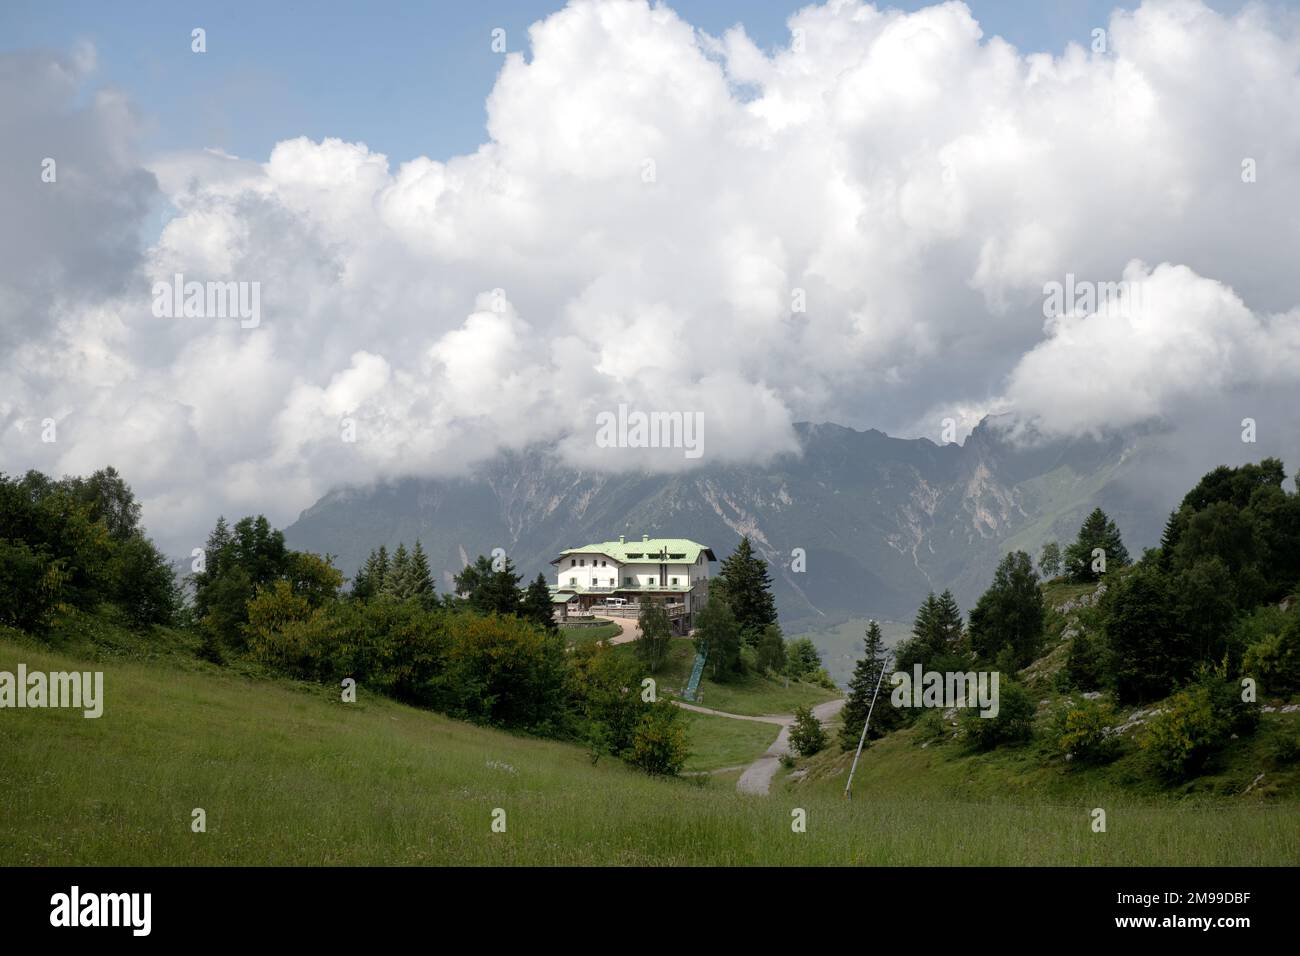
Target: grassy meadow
<point>288,774</point>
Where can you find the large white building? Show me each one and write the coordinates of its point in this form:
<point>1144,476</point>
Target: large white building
<point>605,577</point>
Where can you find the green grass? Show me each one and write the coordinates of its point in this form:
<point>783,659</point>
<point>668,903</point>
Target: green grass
<point>288,774</point>
<point>751,694</point>
<point>590,635</point>
<point>718,742</point>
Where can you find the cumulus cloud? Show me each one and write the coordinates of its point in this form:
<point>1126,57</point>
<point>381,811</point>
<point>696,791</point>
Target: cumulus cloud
<point>857,226</point>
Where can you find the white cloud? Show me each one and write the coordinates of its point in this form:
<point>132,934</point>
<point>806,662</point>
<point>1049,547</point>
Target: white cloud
<point>649,201</point>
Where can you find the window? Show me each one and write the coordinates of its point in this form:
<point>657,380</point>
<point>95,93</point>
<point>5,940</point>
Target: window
<point>674,580</point>
<point>573,581</point>
<point>627,582</point>
<point>582,563</point>
<point>572,562</point>
<point>611,582</point>
<point>602,564</point>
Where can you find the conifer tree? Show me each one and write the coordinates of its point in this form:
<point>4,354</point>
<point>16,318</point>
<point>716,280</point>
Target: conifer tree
<point>537,605</point>
<point>1098,531</point>
<point>419,577</point>
<point>397,581</point>
<point>862,688</point>
<point>746,586</point>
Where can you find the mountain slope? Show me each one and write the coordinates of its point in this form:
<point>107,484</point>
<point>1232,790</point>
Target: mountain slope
<point>881,520</point>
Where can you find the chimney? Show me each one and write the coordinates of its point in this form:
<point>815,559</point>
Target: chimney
<point>622,539</point>
<point>645,537</point>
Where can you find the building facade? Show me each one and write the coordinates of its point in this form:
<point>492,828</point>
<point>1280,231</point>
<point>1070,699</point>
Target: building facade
<point>616,578</point>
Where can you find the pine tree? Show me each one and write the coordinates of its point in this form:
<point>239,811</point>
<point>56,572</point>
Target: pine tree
<point>1098,531</point>
<point>537,605</point>
<point>862,688</point>
<point>744,582</point>
<point>397,581</point>
<point>419,577</point>
<point>499,592</point>
<point>1169,539</point>
<point>215,553</point>
<point>948,626</point>
<point>1010,614</point>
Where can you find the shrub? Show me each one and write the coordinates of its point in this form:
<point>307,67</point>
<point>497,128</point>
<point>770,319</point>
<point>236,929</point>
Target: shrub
<point>807,736</point>
<point>659,744</point>
<point>1285,750</point>
<point>1014,722</point>
<point>1181,738</point>
<point>1274,659</point>
<point>1081,730</point>
<point>931,727</point>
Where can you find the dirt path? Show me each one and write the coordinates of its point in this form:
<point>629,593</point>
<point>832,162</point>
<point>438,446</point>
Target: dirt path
<point>758,776</point>
<point>631,631</point>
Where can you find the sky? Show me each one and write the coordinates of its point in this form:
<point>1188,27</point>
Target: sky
<point>459,241</point>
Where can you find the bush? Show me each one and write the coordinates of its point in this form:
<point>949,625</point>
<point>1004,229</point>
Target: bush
<point>1181,738</point>
<point>1274,659</point>
<point>659,744</point>
<point>1081,730</point>
<point>1285,750</point>
<point>1014,722</point>
<point>931,727</point>
<point>807,736</point>
<point>1195,724</point>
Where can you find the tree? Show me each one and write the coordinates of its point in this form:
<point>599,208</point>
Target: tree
<point>770,652</point>
<point>1148,655</point>
<point>537,605</point>
<point>108,498</point>
<point>1010,613</point>
<point>488,589</point>
<point>1097,532</point>
<point>807,736</point>
<point>313,577</point>
<point>30,586</point>
<point>802,658</point>
<point>937,635</point>
<point>1049,562</point>
<point>397,583</point>
<point>659,744</point>
<point>420,580</point>
<point>143,583</point>
<point>370,576</point>
<point>744,583</point>
<point>1014,722</point>
<point>867,677</point>
<point>656,633</point>
<point>718,636</point>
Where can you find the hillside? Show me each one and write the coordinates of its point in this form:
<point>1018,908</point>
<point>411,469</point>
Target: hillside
<point>290,775</point>
<point>930,760</point>
<point>882,520</point>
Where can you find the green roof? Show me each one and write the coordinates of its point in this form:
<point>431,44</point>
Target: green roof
<point>679,550</point>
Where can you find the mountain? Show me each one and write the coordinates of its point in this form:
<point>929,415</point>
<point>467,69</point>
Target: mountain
<point>881,520</point>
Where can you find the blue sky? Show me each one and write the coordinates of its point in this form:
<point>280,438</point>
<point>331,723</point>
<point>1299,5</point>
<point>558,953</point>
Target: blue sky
<point>407,79</point>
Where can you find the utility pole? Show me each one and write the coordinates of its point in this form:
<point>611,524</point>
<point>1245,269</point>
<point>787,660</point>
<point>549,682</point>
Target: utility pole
<point>848,787</point>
